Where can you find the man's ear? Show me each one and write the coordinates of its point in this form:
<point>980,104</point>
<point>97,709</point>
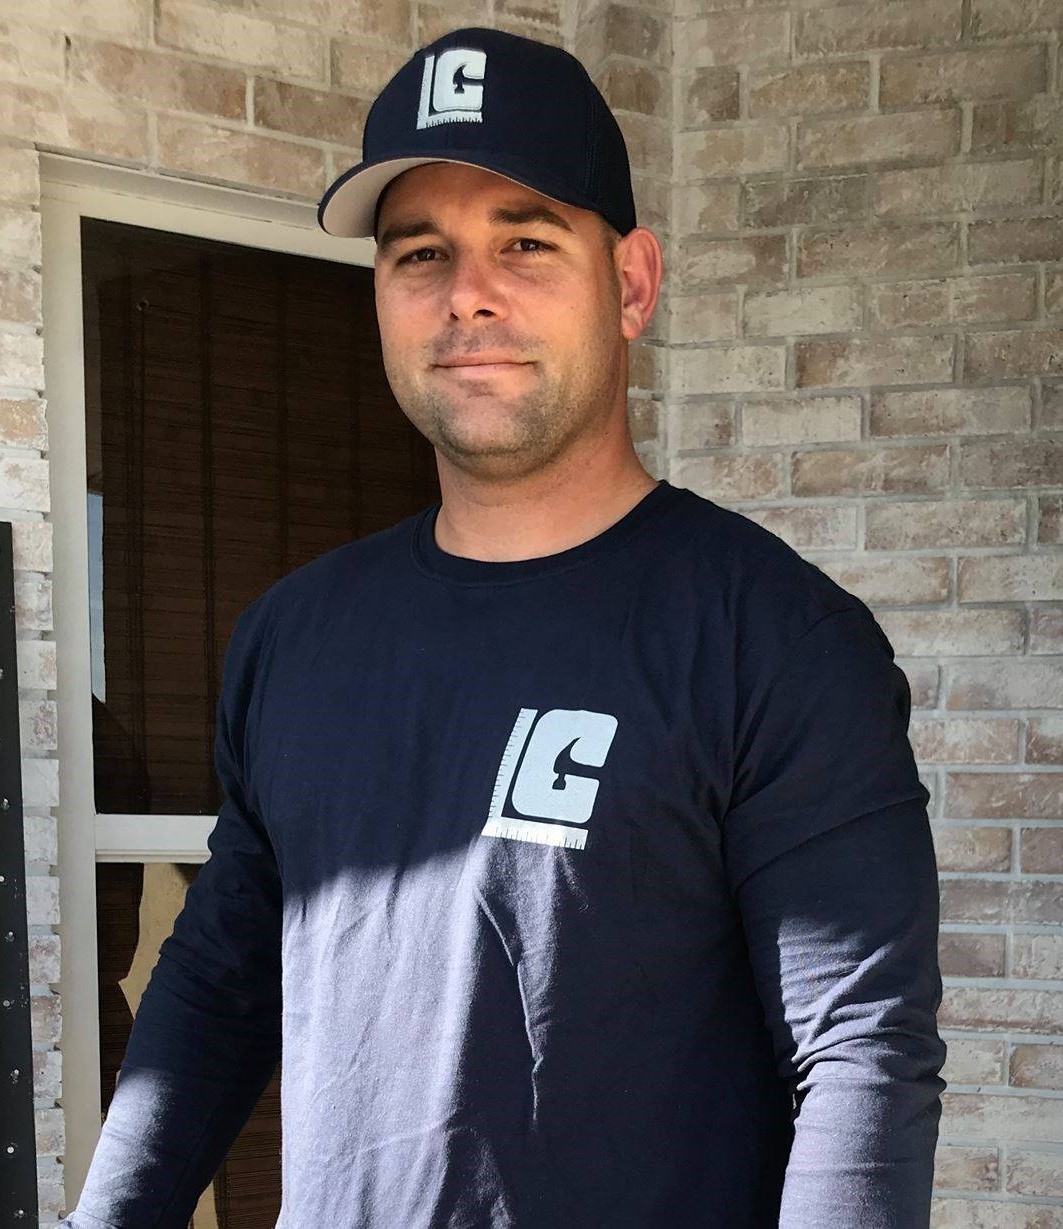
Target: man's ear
<point>639,267</point>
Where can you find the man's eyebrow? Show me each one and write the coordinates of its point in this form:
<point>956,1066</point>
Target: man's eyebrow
<point>499,216</point>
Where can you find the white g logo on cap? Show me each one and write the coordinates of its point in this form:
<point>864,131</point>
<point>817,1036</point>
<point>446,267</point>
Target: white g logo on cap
<point>452,87</point>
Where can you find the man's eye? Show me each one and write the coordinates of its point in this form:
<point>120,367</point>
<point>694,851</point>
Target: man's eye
<point>412,258</point>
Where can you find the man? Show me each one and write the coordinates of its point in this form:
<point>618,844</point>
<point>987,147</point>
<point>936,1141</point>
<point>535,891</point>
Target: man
<point>573,845</point>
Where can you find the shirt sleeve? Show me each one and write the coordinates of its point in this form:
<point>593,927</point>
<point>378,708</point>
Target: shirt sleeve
<point>206,1037</point>
<point>829,851</point>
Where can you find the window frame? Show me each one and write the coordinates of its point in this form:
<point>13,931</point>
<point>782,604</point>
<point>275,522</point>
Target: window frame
<point>72,188</point>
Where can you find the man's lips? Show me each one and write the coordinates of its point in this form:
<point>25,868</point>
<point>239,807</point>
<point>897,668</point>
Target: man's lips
<point>480,367</point>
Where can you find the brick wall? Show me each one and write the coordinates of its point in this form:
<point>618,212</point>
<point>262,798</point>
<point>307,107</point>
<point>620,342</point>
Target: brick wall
<point>859,344</point>
<point>866,356</point>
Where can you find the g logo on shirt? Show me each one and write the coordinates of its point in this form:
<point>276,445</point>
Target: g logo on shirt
<point>452,87</point>
<point>538,778</point>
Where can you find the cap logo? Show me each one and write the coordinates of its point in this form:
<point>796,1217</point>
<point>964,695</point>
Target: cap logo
<point>452,87</point>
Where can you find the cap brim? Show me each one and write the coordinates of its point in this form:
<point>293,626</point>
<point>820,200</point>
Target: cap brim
<point>348,207</point>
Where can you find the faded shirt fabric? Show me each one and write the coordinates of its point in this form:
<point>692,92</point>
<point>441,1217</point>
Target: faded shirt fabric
<point>589,890</point>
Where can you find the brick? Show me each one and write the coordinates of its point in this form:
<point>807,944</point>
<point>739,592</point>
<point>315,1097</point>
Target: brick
<point>636,87</point>
<point>1036,1066</point>
<point>998,902</point>
<point>240,157</point>
<point>319,114</point>
<point>1041,851</point>
<point>801,421</point>
<point>728,369</point>
<point>1032,1172</point>
<point>1039,239</point>
<point>435,20</point>
<point>653,201</point>
<point>1044,738</point>
<point>1001,18</point>
<point>22,422</point>
<point>37,723</point>
<point>1012,463</point>
<point>1000,296</point>
<point>47,1075</point>
<point>33,605</point>
<point>759,258</point>
<point>36,664</point>
<point>740,37</point>
<point>163,80</point>
<point>815,309</point>
<point>733,477</point>
<point>44,956</point>
<point>705,208</point>
<point>1050,519</point>
<point>972,954</point>
<point>822,201</point>
<point>871,471</point>
<point>808,89</point>
<point>20,296</point>
<point>20,235</point>
<point>1037,957</point>
<point>803,528</point>
<point>20,182</point>
<point>922,678</point>
<point>543,12</point>
<point>32,545</point>
<point>890,23</point>
<point>645,366</point>
<point>891,581</point>
<point>954,633</point>
<point>363,68</point>
<point>947,411</point>
<point>709,96</point>
<point>1014,353</point>
<point>967,1169</point>
<point>1004,795</point>
<point>709,316</point>
<point>953,522</point>
<point>30,53</point>
<point>1054,294</point>
<point>45,1018</point>
<point>1023,1011</point>
<point>50,1136</point>
<point>941,740</point>
<point>40,839</point>
<point>972,848</point>
<point>958,187</point>
<point>648,142</point>
<point>1011,72</point>
<point>70,120</point>
<point>1005,684</point>
<point>637,33</point>
<point>721,152</point>
<point>643,415</point>
<point>1002,127</point>
<point>865,251</point>
<point>124,19</point>
<point>42,900</point>
<point>907,304</point>
<point>703,424</point>
<point>242,38</point>
<point>24,480</point>
<point>878,138</point>
<point>976,1060</point>
<point>856,361</point>
<point>956,1213</point>
<point>40,782</point>
<point>1032,578</point>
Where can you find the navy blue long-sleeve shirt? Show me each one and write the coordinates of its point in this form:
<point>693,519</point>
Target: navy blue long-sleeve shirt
<point>595,889</point>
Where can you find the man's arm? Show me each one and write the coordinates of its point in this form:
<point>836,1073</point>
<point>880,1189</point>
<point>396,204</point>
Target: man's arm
<point>206,1037</point>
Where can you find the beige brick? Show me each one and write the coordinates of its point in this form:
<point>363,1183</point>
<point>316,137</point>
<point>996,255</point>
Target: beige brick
<point>1044,738</point>
<point>21,365</point>
<point>955,633</point>
<point>1006,684</point>
<point>69,120</point>
<point>1021,1010</point>
<point>1037,957</point>
<point>1039,239</point>
<point>1006,127</point>
<point>645,369</point>
<point>1001,18</point>
<point>955,1213</point>
<point>1054,294</point>
<point>967,1169</point>
<point>709,96</point>
<point>871,471</point>
<point>943,740</point>
<point>733,477</point>
<point>20,235</point>
<point>40,782</point>
<point>1004,795</point>
<point>42,900</point>
<point>972,848</point>
<point>31,542</point>
<point>878,138</point>
<point>20,296</point>
<point>958,188</point>
<point>363,68</point>
<point>125,19</point>
<point>47,1074</point>
<point>33,605</point>
<point>864,251</point>
<point>890,23</point>
<point>50,1137</point>
<point>637,87</point>
<point>1000,296</point>
<point>728,369</point>
<point>653,201</point>
<point>1030,1172</point>
<point>1042,851</point>
<point>435,20</point>
<point>976,1060</point>
<point>1012,463</point>
<point>721,152</point>
<point>947,411</point>
<point>44,954</point>
<point>24,484</point>
<point>41,839</point>
<point>976,1116</point>
<point>1050,519</point>
<point>809,89</point>
<point>922,678</point>
<point>822,201</point>
<point>22,423</point>
<point>649,142</point>
<point>225,154</point>
<point>643,415</point>
<point>637,33</point>
<point>1014,353</point>
<point>809,528</point>
<point>709,316</point>
<point>318,114</point>
<point>1036,1066</point>
<point>759,258</point>
<point>20,181</point>
<point>966,954</point>
<point>997,902</point>
<point>707,208</point>
<point>36,664</point>
<point>814,309</point>
<point>857,361</point>
<point>1011,72</point>
<point>740,37</point>
<point>906,304</point>
<point>245,39</point>
<point>37,724</point>
<point>894,581</point>
<point>703,424</point>
<point>801,421</point>
<point>393,22</point>
<point>162,80</point>
<point>30,53</point>
<point>960,522</point>
<point>546,12</point>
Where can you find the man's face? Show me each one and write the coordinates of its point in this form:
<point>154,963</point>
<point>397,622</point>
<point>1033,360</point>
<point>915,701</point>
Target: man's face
<point>541,300</point>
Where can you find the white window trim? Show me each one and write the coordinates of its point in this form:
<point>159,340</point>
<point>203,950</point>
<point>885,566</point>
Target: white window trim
<point>72,188</point>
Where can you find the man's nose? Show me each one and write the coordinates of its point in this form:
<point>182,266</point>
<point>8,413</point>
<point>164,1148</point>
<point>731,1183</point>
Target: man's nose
<point>473,288</point>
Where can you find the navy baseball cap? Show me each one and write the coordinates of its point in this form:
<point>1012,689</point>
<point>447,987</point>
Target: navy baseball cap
<point>524,109</point>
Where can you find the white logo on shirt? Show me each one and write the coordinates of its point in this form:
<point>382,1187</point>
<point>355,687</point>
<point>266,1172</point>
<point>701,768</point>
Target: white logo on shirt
<point>452,87</point>
<point>537,783</point>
